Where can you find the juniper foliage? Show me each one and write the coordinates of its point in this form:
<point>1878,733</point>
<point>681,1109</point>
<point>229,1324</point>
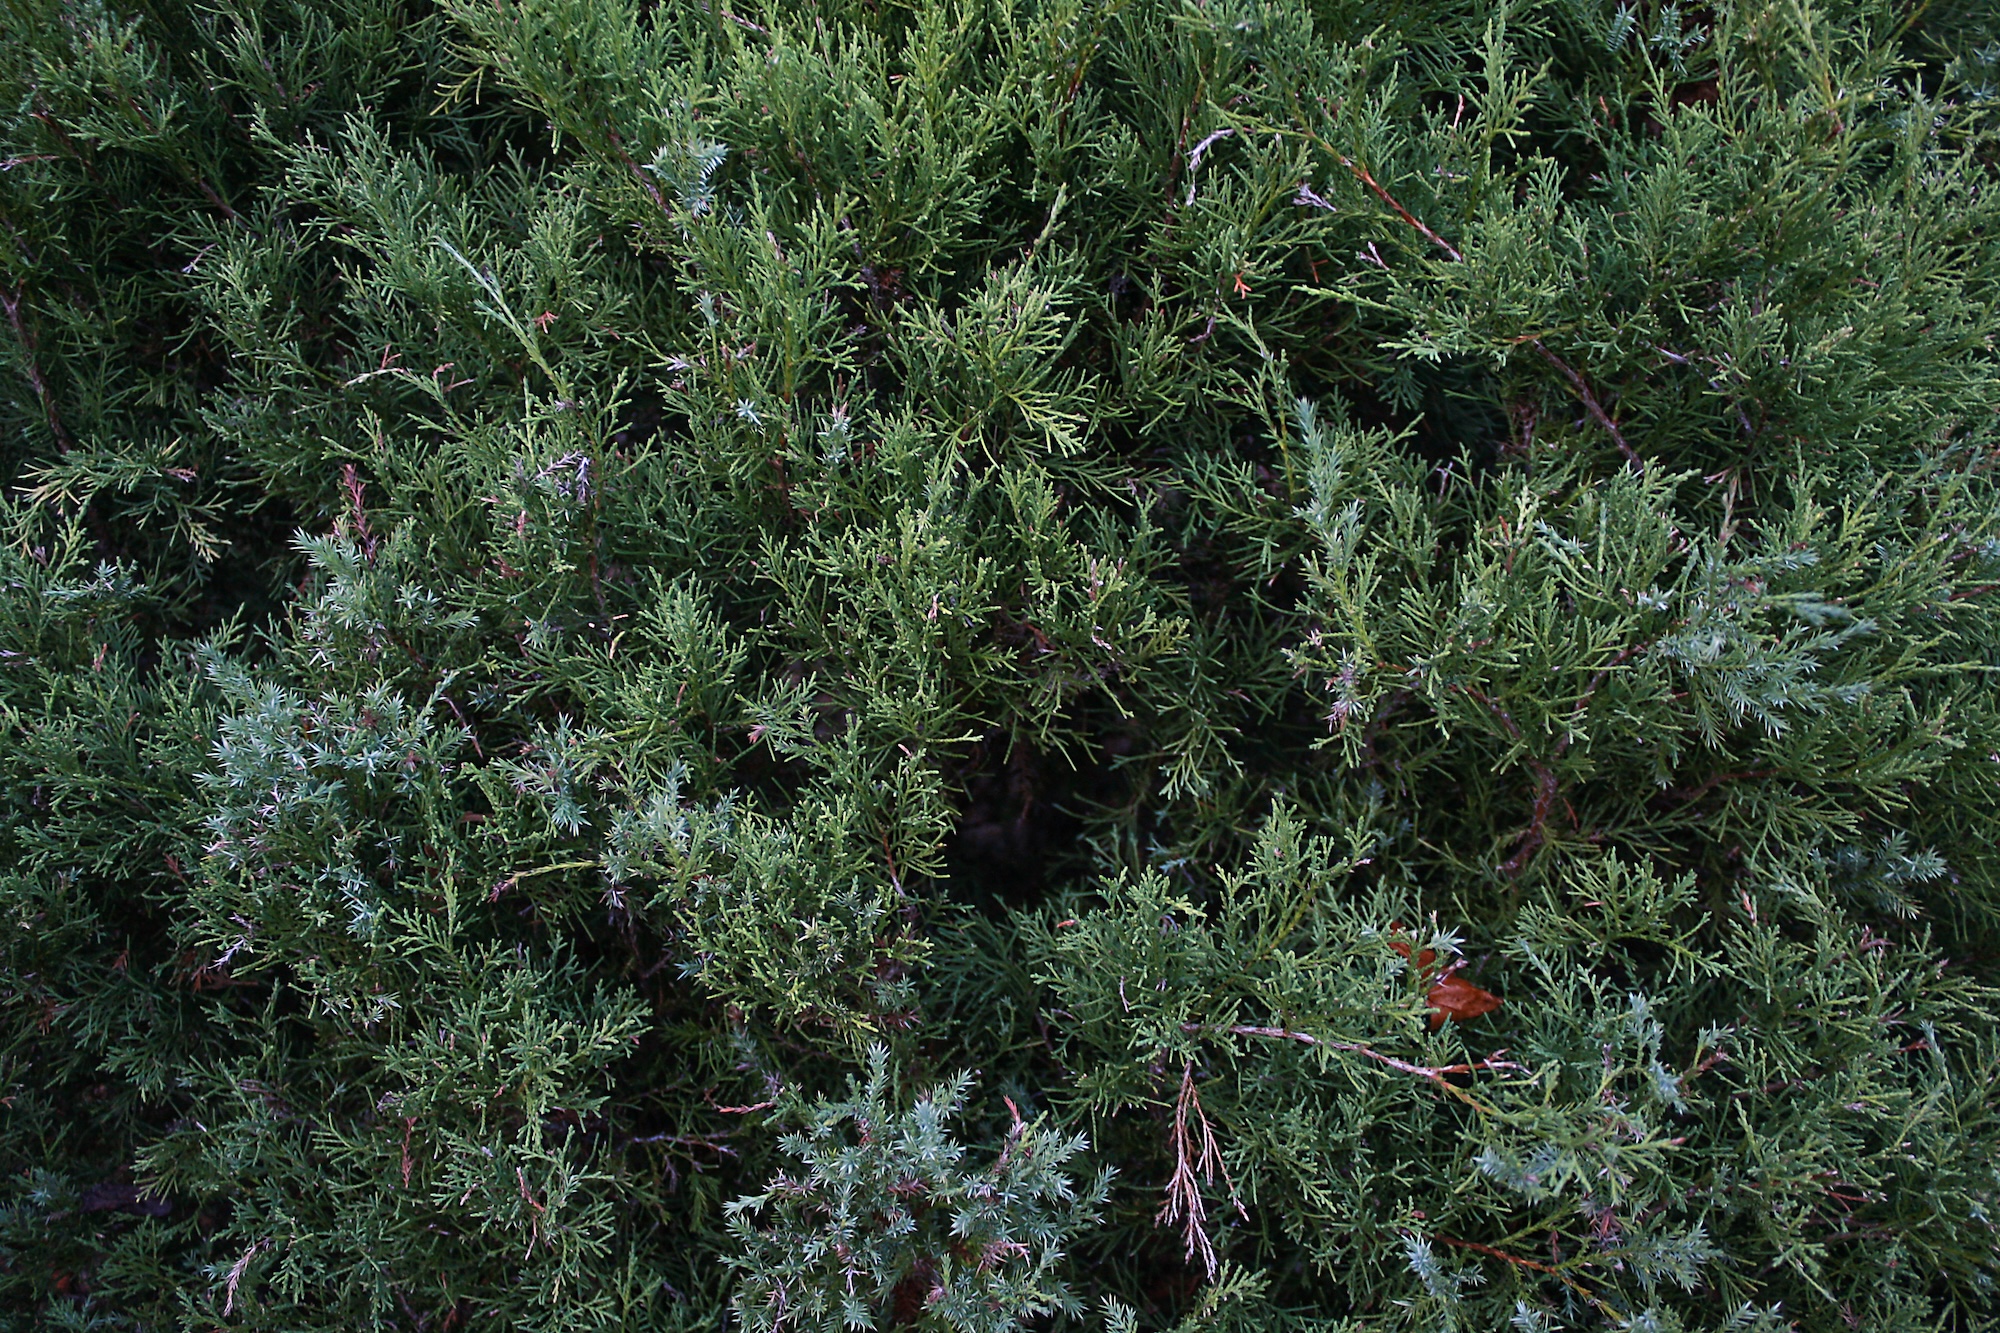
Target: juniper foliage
<point>596,595</point>
<point>891,1222</point>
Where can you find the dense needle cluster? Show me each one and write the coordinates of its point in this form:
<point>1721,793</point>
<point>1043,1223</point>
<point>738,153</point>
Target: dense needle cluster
<point>999,664</point>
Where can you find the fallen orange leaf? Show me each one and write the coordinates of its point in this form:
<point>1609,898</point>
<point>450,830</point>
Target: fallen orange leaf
<point>1449,996</point>
<point>1424,959</point>
<point>1455,997</point>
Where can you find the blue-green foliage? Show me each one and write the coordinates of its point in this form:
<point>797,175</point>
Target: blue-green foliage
<point>883,1219</point>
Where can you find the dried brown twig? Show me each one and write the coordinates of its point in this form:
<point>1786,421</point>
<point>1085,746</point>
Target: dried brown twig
<point>1197,1161</point>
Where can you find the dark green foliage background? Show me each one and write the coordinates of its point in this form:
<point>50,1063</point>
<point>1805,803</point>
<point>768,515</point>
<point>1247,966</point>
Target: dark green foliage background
<point>580,575</point>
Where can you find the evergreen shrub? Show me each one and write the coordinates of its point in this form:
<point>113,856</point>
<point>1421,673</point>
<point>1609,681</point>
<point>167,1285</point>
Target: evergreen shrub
<point>999,664</point>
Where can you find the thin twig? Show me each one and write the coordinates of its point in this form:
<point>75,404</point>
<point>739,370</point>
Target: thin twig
<point>1361,174</point>
<point>1434,1073</point>
<point>1576,381</point>
<point>1590,402</point>
<point>1488,1250</point>
<point>12,305</point>
<point>1194,1164</point>
<point>1546,790</point>
<point>1519,1262</point>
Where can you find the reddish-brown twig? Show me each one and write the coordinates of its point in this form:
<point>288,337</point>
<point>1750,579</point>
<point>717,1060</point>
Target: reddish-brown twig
<point>1492,1064</point>
<point>1577,383</point>
<point>1519,1262</point>
<point>1590,403</point>
<point>12,305</point>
